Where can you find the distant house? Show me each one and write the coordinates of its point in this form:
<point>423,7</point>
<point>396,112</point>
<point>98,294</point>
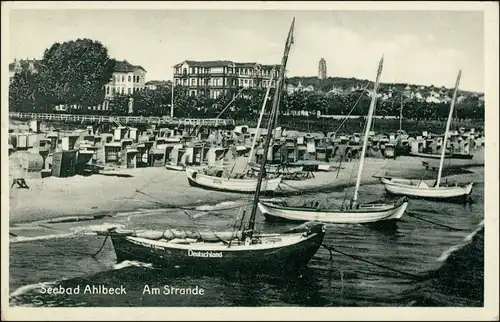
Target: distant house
<point>461,98</point>
<point>17,66</point>
<point>355,88</point>
<point>125,80</point>
<point>336,90</point>
<point>309,88</point>
<point>155,84</point>
<point>432,99</point>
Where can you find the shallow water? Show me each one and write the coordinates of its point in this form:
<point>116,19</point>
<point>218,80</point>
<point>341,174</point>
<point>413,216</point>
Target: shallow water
<point>60,254</point>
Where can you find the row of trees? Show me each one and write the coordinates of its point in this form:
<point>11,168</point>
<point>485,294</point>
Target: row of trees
<point>75,72</point>
<point>71,73</point>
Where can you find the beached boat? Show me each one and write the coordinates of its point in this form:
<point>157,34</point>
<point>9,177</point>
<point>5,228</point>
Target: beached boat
<point>429,155</point>
<point>178,167</point>
<point>241,250</point>
<point>418,188</point>
<point>245,181</point>
<point>366,213</point>
<point>463,156</point>
<point>197,177</point>
<point>354,213</point>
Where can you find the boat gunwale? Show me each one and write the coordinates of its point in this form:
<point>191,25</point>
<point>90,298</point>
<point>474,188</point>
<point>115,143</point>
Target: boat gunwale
<point>277,178</point>
<point>293,239</point>
<point>390,182</point>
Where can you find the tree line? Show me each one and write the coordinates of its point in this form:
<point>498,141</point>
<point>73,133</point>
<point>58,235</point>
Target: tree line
<point>75,73</point>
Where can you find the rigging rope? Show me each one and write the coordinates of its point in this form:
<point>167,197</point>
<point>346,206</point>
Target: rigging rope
<point>234,98</point>
<point>352,109</point>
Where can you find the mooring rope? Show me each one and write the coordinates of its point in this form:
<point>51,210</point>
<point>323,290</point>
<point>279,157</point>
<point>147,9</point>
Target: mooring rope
<point>411,214</point>
<point>332,249</point>
<point>102,246</point>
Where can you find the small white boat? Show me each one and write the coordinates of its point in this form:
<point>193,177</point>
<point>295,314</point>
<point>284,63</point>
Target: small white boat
<point>364,214</point>
<point>429,155</point>
<point>355,213</point>
<point>178,167</point>
<point>198,178</point>
<point>419,189</point>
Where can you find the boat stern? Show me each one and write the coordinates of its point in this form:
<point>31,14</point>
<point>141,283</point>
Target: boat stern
<point>263,208</point>
<point>400,210</point>
<point>468,188</point>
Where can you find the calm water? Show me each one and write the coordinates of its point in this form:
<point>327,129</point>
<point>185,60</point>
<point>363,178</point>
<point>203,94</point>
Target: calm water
<point>414,246</point>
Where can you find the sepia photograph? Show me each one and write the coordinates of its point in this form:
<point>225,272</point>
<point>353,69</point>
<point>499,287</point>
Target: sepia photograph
<point>183,155</point>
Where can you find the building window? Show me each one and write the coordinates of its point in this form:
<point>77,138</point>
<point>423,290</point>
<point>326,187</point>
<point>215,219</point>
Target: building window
<point>112,91</point>
<point>107,90</point>
<point>177,82</point>
<point>129,91</point>
<point>129,78</point>
<point>192,93</point>
<point>184,71</point>
<point>193,82</point>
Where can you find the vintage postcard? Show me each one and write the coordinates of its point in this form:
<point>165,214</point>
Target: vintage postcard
<point>249,160</point>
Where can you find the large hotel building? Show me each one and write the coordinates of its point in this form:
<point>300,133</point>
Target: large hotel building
<point>222,77</point>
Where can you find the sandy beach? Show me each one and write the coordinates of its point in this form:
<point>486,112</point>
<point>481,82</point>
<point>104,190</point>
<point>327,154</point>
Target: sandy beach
<point>116,190</point>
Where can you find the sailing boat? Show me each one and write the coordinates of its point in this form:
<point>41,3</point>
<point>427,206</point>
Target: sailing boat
<point>208,179</point>
<point>240,250</point>
<point>356,213</point>
<point>271,169</point>
<point>418,188</point>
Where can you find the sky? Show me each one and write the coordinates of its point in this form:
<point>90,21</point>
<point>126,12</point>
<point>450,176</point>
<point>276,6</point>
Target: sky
<point>419,47</point>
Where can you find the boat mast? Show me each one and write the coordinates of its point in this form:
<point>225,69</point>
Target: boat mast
<point>367,129</point>
<point>401,115</point>
<point>448,123</point>
<point>277,94</point>
<point>257,133</point>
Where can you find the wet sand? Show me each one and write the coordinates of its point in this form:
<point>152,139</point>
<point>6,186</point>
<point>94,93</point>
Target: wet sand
<point>116,191</point>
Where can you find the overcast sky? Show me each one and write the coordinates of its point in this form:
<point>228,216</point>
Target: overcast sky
<point>420,47</point>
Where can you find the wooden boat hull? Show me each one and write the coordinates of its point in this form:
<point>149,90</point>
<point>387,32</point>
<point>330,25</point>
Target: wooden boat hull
<point>404,188</point>
<point>289,252</point>
<point>364,215</point>
<point>447,156</point>
<point>280,170</point>
<point>197,179</point>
